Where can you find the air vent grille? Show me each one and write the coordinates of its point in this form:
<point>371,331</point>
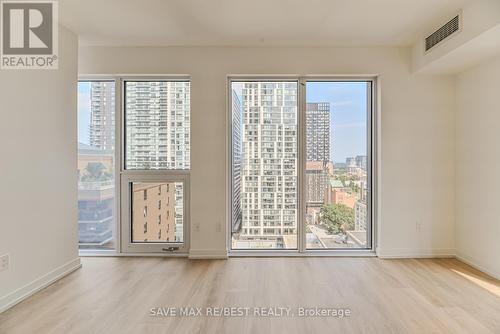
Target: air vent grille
<point>445,31</point>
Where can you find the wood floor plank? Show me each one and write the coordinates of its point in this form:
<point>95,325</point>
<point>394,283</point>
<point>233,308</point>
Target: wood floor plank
<point>115,295</point>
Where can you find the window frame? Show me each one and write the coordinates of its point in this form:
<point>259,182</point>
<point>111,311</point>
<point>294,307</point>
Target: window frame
<point>158,175</point>
<point>122,205</point>
<point>123,80</point>
<point>126,227</point>
<point>372,164</point>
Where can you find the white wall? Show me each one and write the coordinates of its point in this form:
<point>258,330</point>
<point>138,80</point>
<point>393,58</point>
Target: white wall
<point>478,166</point>
<point>38,192</point>
<point>417,122</point>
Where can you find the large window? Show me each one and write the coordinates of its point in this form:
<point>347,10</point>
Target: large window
<point>96,164</point>
<point>156,165</point>
<point>301,164</point>
<point>137,160</point>
<point>264,164</point>
<point>337,164</point>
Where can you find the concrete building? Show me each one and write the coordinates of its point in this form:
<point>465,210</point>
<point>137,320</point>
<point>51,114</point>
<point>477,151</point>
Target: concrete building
<point>319,167</point>
<point>350,162</point>
<point>96,197</point>
<point>153,212</point>
<point>360,216</point>
<point>151,144</point>
<point>269,165</point>
<point>236,162</point>
<point>361,209</point>
<point>318,132</point>
<point>102,114</point>
<point>353,164</point>
<point>316,183</point>
<point>361,161</point>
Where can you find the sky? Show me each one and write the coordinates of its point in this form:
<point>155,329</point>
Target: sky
<point>347,115</point>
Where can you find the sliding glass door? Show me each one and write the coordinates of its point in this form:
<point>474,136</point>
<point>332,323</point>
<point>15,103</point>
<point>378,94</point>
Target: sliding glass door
<point>301,164</point>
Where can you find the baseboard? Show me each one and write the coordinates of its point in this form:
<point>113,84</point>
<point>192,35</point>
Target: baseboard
<point>475,264</point>
<point>409,253</point>
<point>208,254</point>
<point>40,283</point>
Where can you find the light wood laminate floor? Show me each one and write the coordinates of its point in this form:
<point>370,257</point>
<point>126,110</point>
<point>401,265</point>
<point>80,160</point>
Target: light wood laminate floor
<point>115,295</point>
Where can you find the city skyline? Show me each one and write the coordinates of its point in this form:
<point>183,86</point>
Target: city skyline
<point>265,143</point>
<point>348,119</point>
<point>265,156</point>
<point>157,124</point>
<point>348,116</point>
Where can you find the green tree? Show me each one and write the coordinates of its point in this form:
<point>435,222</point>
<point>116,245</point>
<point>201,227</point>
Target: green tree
<point>95,171</point>
<point>342,179</point>
<point>338,218</point>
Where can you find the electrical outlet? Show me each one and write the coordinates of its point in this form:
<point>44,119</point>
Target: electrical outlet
<point>218,227</point>
<point>197,227</point>
<point>4,262</point>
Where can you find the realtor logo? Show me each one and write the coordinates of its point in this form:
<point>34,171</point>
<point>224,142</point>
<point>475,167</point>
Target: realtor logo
<point>29,37</point>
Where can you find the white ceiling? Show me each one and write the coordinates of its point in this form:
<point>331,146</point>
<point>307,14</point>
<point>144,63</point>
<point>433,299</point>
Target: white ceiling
<point>254,22</point>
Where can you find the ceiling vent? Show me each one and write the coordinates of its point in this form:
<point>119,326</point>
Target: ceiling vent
<point>442,33</point>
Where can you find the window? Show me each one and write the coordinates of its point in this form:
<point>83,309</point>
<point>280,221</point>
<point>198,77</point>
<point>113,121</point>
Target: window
<point>152,233</point>
<point>157,125</point>
<point>264,164</point>
<point>96,165</point>
<point>156,163</point>
<point>306,192</point>
<point>337,164</point>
